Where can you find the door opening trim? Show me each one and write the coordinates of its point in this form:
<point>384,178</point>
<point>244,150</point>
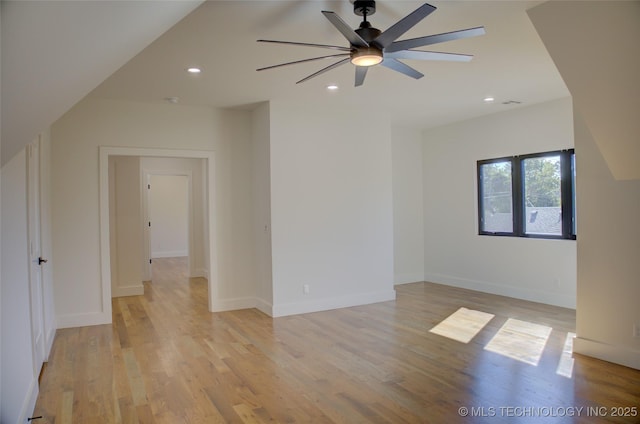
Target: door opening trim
<point>210,220</point>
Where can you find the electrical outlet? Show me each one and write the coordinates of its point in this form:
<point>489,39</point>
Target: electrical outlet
<point>306,289</point>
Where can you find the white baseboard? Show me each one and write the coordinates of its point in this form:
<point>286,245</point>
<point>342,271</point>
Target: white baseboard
<point>48,343</point>
<point>243,303</point>
<point>317,305</point>
<point>131,290</point>
<point>82,320</point>
<point>170,254</point>
<point>302,307</point>
<point>407,278</point>
<point>29,404</point>
<point>611,353</point>
<point>549,298</point>
<point>264,306</point>
<point>200,273</point>
<point>222,305</point>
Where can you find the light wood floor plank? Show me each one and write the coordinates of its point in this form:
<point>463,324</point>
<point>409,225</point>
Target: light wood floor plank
<point>166,359</point>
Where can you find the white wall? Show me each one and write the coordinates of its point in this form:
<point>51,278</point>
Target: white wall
<point>533,269</point>
<point>331,207</point>
<point>125,229</point>
<point>347,255</point>
<point>169,215</point>
<point>608,252</point>
<point>408,209</point>
<point>19,385</point>
<point>607,129</point>
<point>0,223</point>
<point>235,211</point>
<point>75,192</point>
<point>261,173</point>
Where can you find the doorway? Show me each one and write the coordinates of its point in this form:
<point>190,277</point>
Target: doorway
<point>151,162</point>
<point>173,211</point>
<point>168,202</point>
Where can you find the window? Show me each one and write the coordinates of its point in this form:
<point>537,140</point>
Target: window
<point>528,196</point>
<point>495,182</point>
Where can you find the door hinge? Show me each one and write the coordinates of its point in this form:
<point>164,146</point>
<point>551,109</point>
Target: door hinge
<point>149,223</point>
<point>150,260</point>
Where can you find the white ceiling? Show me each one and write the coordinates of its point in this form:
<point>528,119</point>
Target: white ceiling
<point>56,52</point>
<point>510,61</point>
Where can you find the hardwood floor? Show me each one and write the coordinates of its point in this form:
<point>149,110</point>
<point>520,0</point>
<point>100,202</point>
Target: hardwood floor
<point>166,359</point>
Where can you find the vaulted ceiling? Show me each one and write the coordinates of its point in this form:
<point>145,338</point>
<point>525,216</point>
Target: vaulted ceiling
<point>55,53</point>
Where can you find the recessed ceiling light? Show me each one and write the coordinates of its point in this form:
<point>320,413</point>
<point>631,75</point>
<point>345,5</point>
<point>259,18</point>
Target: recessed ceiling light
<point>488,100</point>
<point>332,87</point>
<point>194,70</point>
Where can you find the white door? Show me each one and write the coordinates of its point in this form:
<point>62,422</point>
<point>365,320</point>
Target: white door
<point>36,261</point>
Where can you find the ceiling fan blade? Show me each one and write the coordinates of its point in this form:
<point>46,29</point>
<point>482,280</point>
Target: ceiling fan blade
<point>402,68</point>
<point>323,70</point>
<point>434,39</point>
<point>361,73</point>
<point>302,61</point>
<point>295,43</point>
<point>422,55</point>
<point>403,25</point>
<point>345,29</point>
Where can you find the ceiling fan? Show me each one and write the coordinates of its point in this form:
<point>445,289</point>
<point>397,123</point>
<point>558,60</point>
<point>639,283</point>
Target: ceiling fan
<point>368,46</point>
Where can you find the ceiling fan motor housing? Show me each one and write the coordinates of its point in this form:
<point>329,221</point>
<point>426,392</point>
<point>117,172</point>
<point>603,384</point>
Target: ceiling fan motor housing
<point>367,32</point>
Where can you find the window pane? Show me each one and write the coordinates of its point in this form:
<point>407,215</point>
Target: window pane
<point>542,195</point>
<point>497,211</point>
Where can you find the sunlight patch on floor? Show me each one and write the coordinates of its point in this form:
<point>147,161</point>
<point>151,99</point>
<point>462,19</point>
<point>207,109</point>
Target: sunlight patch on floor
<point>462,325</point>
<point>565,366</point>
<point>520,340</point>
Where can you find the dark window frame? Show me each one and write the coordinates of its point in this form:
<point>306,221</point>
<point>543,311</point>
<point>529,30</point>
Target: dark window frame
<point>567,195</point>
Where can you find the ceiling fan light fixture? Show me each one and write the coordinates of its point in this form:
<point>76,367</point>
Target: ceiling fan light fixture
<point>366,56</point>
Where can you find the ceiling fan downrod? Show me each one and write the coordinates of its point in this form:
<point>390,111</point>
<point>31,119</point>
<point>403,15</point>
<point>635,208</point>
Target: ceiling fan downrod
<point>364,8</point>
